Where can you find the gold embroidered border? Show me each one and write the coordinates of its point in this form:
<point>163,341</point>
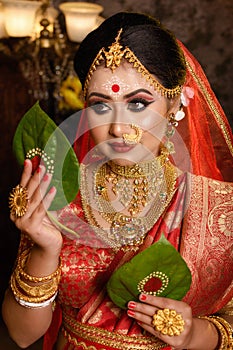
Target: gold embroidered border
<point>73,330</point>
<point>212,107</point>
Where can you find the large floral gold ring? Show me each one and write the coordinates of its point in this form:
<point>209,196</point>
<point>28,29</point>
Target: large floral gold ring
<point>18,201</point>
<point>168,322</point>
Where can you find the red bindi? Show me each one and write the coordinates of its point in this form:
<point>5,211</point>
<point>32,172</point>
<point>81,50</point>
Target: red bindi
<point>115,88</point>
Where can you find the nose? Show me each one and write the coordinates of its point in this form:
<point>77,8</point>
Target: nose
<point>118,127</point>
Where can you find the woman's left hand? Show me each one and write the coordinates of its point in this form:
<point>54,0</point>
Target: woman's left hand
<point>148,305</point>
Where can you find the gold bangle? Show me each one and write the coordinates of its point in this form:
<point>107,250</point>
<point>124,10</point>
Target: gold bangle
<point>33,299</point>
<point>22,259</point>
<point>38,290</point>
<point>228,328</point>
<point>225,336</point>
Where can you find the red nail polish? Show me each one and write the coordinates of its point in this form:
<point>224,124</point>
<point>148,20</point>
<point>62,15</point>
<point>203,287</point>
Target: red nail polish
<point>45,178</point>
<point>38,170</point>
<point>143,297</point>
<point>131,305</point>
<point>52,190</point>
<point>131,313</point>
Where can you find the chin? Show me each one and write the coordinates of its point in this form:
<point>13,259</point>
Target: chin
<point>124,162</point>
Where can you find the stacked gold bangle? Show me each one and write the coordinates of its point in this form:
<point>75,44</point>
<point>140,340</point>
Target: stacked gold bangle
<point>225,331</point>
<point>33,296</point>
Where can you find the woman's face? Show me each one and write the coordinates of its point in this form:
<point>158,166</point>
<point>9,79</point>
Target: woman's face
<point>115,101</point>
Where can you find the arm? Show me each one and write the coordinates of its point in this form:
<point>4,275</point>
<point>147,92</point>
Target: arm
<point>198,333</point>
<point>25,324</point>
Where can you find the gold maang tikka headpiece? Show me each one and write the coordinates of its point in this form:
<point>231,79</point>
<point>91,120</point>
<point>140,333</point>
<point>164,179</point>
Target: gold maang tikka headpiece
<point>113,58</point>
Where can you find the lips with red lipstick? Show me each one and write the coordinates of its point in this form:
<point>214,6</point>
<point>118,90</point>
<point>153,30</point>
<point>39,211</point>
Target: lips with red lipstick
<point>121,147</point>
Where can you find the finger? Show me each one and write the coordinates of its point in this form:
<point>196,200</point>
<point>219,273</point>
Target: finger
<point>140,317</point>
<point>143,308</point>
<point>37,191</point>
<point>27,173</point>
<point>162,302</point>
<point>35,180</point>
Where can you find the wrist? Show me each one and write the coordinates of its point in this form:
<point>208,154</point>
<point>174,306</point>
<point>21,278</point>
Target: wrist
<point>204,335</point>
<point>34,290</point>
<point>225,332</point>
<point>40,262</point>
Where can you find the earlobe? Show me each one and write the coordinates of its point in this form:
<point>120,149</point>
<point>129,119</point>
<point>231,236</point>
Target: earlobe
<point>174,106</point>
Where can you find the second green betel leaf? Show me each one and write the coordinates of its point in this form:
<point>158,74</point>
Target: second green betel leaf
<point>159,270</point>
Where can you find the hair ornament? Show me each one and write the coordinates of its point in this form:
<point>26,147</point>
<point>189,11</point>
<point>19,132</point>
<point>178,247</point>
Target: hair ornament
<point>186,94</point>
<point>113,58</point>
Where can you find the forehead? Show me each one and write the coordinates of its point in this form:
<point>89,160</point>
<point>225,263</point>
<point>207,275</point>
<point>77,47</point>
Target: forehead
<point>123,79</point>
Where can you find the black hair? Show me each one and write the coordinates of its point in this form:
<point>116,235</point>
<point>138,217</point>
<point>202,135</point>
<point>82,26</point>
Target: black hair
<point>155,47</point>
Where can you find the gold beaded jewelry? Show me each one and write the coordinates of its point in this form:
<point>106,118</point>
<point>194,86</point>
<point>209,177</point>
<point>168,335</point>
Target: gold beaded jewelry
<point>32,296</point>
<point>46,288</point>
<point>19,294</point>
<point>224,329</point>
<point>113,58</point>
<point>127,231</point>
<point>21,264</point>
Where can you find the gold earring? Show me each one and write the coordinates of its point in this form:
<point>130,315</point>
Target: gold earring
<point>172,123</point>
<point>133,139</point>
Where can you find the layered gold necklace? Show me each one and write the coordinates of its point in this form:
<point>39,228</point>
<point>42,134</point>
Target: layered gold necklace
<point>143,191</point>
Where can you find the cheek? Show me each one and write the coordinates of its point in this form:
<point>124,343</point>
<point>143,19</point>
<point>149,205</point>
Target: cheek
<point>98,134</point>
<point>154,123</point>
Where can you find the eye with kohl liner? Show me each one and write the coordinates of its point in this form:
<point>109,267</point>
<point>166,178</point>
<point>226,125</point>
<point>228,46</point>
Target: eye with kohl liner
<point>138,104</point>
<point>99,107</point>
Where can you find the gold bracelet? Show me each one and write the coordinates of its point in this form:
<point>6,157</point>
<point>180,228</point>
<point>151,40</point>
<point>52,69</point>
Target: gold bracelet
<point>225,336</point>
<point>22,259</point>
<point>228,328</point>
<point>38,290</point>
<point>33,299</point>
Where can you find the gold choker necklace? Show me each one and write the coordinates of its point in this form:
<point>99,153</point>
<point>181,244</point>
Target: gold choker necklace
<point>139,169</point>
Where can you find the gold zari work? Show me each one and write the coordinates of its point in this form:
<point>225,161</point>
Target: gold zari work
<point>113,59</point>
<point>74,330</point>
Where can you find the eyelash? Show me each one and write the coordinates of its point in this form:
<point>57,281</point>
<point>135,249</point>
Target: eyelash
<point>98,105</point>
<point>101,107</point>
<point>139,100</point>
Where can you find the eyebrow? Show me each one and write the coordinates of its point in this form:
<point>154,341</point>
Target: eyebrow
<point>98,94</point>
<point>135,92</point>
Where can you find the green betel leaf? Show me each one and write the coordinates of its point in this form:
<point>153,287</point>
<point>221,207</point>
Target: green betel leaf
<point>38,138</point>
<point>158,270</point>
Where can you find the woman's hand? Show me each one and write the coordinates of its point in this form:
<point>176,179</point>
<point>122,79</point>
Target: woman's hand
<point>35,222</point>
<point>192,337</point>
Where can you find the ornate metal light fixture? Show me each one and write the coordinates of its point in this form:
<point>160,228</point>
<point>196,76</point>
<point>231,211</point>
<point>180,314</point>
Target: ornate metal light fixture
<point>34,33</point>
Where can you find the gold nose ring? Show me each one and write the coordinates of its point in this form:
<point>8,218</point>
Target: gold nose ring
<point>133,139</point>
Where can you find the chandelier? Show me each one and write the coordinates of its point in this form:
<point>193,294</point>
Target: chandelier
<point>43,39</point>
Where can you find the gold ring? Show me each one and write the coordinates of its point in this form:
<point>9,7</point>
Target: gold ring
<point>168,322</point>
<point>18,201</point>
<point>133,139</point>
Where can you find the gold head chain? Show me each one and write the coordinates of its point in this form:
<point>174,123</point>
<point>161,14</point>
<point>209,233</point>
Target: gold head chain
<point>113,58</point>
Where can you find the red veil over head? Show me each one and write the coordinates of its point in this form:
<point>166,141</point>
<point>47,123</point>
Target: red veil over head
<point>205,131</point>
